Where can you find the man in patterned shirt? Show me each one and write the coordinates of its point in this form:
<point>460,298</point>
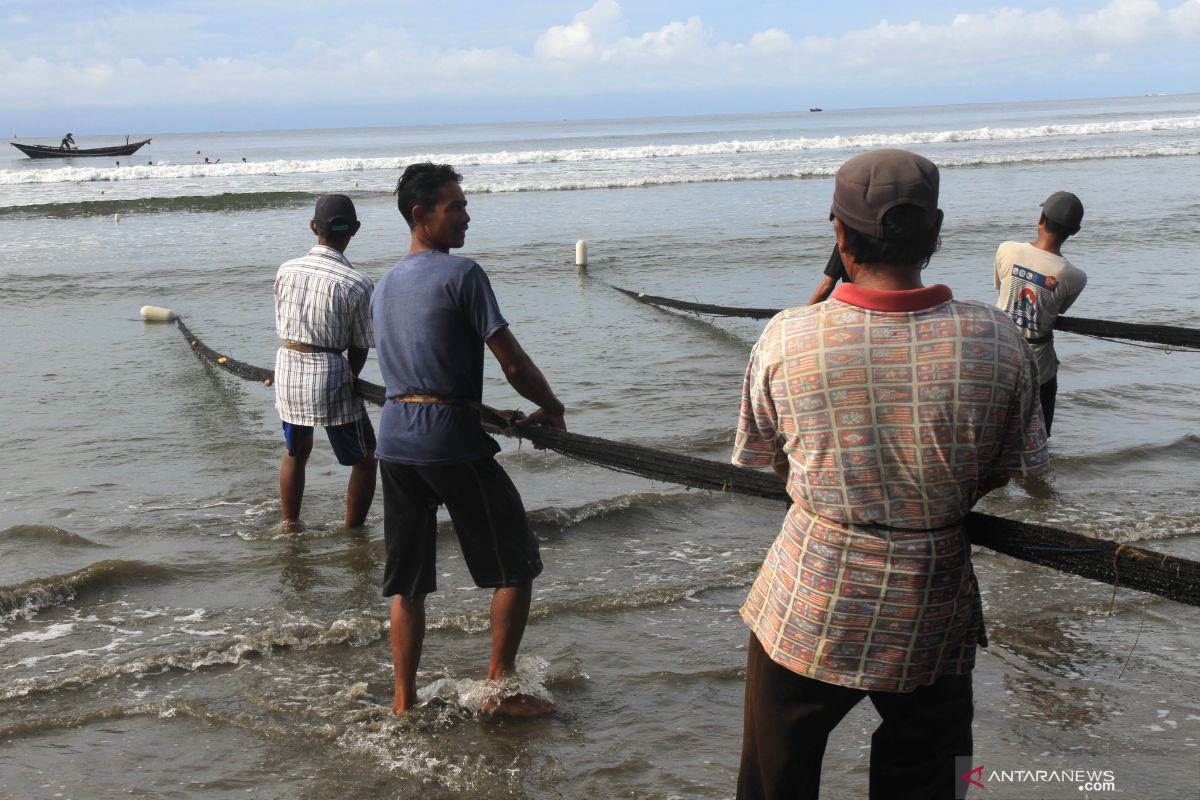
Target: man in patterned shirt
<point>890,409</point>
<point>322,309</point>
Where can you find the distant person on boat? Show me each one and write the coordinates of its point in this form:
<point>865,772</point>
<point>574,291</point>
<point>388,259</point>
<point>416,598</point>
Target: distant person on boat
<point>889,409</point>
<point>834,271</point>
<point>1037,284</point>
<point>68,142</point>
<point>322,310</point>
<point>434,313</point>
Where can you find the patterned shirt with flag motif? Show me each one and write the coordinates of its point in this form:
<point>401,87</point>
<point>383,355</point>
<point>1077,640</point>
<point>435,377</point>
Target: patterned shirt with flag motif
<point>892,410</point>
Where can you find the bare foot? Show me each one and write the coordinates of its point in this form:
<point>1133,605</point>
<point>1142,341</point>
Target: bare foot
<point>519,705</point>
<point>291,526</point>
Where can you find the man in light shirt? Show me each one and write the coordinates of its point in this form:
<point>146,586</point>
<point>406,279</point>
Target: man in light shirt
<point>322,310</point>
<point>1037,284</point>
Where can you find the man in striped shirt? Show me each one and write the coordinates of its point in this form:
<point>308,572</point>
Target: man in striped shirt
<point>322,310</point>
<point>890,409</point>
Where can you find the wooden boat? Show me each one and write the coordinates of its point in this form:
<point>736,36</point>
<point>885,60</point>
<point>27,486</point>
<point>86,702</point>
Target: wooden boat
<point>46,151</point>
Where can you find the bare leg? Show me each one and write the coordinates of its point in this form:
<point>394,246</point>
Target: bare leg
<point>291,479</point>
<point>510,613</point>
<point>360,492</point>
<point>408,637</point>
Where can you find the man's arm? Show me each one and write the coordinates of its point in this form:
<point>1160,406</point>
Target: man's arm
<point>1076,290</point>
<point>524,376</point>
<point>824,289</point>
<point>835,271</point>
<point>782,468</point>
<point>357,356</point>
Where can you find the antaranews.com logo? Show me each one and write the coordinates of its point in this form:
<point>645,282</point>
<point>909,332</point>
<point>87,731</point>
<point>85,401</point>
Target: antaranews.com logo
<point>1020,782</point>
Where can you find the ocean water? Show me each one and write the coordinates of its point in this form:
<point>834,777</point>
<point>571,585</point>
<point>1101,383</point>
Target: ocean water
<point>159,636</point>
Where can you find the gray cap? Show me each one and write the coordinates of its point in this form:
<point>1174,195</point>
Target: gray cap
<point>872,184</point>
<point>1064,208</point>
<point>335,213</point>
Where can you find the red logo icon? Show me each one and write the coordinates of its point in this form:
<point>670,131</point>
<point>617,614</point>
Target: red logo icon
<point>978,772</point>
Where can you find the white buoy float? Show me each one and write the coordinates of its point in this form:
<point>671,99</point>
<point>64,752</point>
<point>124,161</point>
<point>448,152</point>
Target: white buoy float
<point>157,314</point>
<point>117,217</point>
<point>581,253</point>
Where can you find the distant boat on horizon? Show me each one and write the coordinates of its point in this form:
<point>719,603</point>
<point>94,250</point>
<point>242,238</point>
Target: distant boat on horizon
<point>816,109</point>
<point>48,151</point>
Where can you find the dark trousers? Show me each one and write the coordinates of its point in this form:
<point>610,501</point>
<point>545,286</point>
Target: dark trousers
<point>1048,392</point>
<point>788,719</point>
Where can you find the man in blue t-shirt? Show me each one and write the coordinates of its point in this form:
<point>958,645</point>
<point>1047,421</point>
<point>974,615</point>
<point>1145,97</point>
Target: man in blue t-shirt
<point>433,313</point>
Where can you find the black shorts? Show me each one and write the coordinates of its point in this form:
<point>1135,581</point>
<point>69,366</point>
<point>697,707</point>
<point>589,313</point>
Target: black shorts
<point>488,516</point>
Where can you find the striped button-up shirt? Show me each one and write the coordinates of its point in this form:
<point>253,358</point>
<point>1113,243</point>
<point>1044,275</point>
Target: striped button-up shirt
<point>893,410</point>
<point>320,300</point>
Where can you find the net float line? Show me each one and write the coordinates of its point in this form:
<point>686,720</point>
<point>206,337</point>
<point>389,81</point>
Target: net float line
<point>1168,336</point>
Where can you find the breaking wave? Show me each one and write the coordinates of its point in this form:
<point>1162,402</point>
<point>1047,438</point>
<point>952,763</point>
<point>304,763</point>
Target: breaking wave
<point>45,534</point>
<point>356,631</point>
<point>26,598</point>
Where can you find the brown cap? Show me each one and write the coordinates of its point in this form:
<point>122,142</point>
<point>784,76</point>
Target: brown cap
<point>869,185</point>
<point>335,213</point>
<point>1064,208</point>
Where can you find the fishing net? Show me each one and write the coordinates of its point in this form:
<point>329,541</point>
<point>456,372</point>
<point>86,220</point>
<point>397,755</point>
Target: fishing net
<point>1169,336</point>
<point>1115,564</point>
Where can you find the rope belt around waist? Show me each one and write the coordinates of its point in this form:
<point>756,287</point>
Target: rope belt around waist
<point>879,526</point>
<point>486,414</point>
<point>1046,337</point>
<point>300,347</point>
<point>432,399</point>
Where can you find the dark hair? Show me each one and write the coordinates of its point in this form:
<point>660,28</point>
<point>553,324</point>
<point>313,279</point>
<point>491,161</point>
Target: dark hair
<point>420,185</point>
<point>909,240</point>
<point>1058,229</point>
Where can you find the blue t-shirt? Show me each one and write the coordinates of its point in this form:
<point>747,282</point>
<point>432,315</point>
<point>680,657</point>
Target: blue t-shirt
<point>432,313</point>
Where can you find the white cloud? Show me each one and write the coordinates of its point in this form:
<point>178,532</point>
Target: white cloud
<point>1124,22</point>
<point>1002,43</point>
<point>771,41</point>
<point>673,42</point>
<point>582,38</point>
<point>605,20</point>
<point>1185,20</point>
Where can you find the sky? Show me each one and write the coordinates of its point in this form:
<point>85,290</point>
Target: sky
<point>156,66</point>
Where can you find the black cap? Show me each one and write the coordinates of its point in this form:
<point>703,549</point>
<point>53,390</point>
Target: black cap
<point>872,184</point>
<point>1064,209</point>
<point>335,213</point>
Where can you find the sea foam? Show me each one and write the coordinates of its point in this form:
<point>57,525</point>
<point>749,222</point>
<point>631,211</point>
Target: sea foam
<point>502,158</point>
